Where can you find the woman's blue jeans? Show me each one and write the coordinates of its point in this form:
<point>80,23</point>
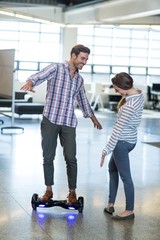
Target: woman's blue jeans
<point>119,165</point>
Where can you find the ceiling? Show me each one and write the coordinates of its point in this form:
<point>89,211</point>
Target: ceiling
<point>71,12</point>
<point>78,2</point>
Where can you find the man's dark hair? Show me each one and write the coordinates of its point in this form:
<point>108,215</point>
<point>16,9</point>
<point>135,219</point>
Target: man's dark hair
<point>79,48</point>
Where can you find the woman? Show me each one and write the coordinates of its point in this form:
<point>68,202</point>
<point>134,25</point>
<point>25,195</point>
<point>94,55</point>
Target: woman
<point>123,140</point>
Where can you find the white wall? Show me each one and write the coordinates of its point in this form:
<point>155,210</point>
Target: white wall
<point>69,40</point>
<point>6,72</point>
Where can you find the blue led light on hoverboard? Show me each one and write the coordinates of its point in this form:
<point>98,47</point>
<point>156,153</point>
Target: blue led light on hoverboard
<point>71,208</point>
<point>41,216</point>
<point>42,205</point>
<point>71,217</point>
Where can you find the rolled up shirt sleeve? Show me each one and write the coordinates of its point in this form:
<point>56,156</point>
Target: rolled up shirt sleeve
<point>84,103</point>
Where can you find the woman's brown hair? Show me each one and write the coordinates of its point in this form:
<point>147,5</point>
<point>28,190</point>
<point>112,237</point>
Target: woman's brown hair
<point>124,81</point>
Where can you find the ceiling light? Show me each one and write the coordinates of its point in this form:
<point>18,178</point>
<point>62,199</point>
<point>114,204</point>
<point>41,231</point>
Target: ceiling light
<point>7,13</point>
<point>24,17</point>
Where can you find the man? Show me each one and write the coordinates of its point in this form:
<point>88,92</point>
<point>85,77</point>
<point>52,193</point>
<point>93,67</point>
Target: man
<point>65,87</point>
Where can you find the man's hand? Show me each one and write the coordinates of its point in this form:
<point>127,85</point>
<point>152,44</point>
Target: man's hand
<point>28,87</point>
<point>102,159</point>
<point>95,122</point>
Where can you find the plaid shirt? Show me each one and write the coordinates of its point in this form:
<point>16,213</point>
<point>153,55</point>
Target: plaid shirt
<point>63,93</point>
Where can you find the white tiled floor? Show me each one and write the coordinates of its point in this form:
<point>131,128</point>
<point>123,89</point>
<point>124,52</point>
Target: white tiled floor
<point>21,175</point>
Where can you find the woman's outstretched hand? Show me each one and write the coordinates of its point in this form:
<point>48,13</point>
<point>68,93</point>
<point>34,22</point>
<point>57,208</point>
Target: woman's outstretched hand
<point>102,159</point>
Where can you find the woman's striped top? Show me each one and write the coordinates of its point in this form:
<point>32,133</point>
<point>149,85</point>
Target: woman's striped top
<point>128,119</point>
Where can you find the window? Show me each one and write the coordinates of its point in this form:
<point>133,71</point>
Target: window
<point>134,50</point>
<point>136,70</point>
<point>34,43</point>
<point>28,65</point>
<point>101,69</point>
<point>119,69</point>
<point>29,27</point>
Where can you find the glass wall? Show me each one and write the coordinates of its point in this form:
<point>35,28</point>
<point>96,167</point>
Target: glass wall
<point>119,48</point>
<point>36,45</point>
<point>113,49</point>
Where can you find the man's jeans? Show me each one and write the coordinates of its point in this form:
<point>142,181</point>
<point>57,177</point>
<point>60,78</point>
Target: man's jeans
<point>67,136</point>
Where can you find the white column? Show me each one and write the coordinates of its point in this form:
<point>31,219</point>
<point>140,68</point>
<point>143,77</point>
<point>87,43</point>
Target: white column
<point>69,40</point>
